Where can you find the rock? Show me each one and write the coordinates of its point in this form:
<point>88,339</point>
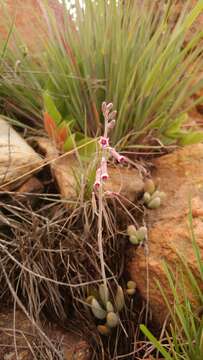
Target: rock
<point>16,157</point>
<point>26,337</point>
<point>32,185</point>
<point>26,13</point>
<point>180,175</point>
<point>28,192</point>
<point>66,168</point>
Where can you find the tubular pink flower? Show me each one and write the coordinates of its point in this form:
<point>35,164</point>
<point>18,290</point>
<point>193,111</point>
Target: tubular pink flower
<point>104,142</point>
<point>97,182</point>
<point>104,173</point>
<point>117,156</point>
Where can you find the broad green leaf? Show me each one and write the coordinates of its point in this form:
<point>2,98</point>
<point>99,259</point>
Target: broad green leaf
<point>51,108</point>
<point>70,121</point>
<point>69,143</point>
<point>88,150</point>
<point>167,141</point>
<point>191,138</point>
<point>173,130</point>
<point>79,136</point>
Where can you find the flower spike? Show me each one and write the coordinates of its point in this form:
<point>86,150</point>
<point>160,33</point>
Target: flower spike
<point>117,156</point>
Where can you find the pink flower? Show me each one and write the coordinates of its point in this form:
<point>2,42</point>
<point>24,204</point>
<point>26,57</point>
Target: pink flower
<point>104,173</point>
<point>117,156</point>
<point>104,142</point>
<point>97,182</point>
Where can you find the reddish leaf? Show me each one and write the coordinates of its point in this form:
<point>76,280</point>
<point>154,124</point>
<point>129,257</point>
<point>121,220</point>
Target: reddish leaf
<point>62,135</point>
<point>50,126</point>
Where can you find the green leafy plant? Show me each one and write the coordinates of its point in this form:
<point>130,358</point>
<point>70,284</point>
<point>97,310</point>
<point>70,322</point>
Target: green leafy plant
<point>184,340</point>
<point>60,132</point>
<point>124,51</point>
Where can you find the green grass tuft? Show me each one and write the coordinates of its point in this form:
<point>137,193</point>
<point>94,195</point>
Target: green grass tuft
<point>127,53</point>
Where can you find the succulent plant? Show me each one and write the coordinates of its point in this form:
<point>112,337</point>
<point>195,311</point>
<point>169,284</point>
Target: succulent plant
<point>130,291</point>
<point>131,287</point>
<point>112,319</point>
<point>104,329</point>
<point>134,240</point>
<point>119,299</point>
<point>154,203</point>
<point>155,194</point>
<point>97,310</point>
<point>103,293</point>
<point>131,284</point>
<point>153,198</point>
<point>149,186</point>
<point>106,311</point>
<point>141,233</point>
<point>109,306</point>
<point>89,299</point>
<point>131,230</point>
<point>146,197</point>
<point>136,236</point>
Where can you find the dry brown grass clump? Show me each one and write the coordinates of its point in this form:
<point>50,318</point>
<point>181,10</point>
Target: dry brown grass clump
<point>50,263</point>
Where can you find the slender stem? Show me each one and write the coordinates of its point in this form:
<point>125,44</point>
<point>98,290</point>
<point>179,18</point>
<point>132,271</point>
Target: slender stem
<point>100,218</point>
<point>100,245</point>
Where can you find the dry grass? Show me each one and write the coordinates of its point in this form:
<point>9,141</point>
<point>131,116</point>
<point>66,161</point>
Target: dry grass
<point>50,263</point>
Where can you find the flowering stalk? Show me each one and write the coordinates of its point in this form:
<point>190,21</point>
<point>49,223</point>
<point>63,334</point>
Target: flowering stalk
<point>102,176</point>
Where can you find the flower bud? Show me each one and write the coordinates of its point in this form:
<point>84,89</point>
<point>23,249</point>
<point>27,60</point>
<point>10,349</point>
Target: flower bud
<point>109,107</point>
<point>111,124</point>
<point>112,115</point>
<point>104,106</point>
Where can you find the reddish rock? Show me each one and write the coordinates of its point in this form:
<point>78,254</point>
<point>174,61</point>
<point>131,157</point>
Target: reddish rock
<point>180,175</point>
<point>31,19</point>
<point>33,185</point>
